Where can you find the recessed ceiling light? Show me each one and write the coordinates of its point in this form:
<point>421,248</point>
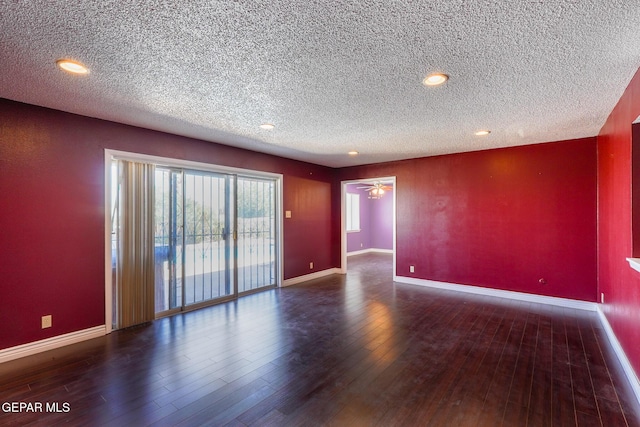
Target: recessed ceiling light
<point>73,67</point>
<point>267,126</point>
<point>482,132</point>
<point>353,153</point>
<point>435,79</point>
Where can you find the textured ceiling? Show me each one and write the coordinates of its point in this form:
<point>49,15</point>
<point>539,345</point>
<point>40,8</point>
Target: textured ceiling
<point>332,76</point>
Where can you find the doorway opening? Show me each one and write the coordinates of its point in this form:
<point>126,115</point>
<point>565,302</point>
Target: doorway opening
<point>368,218</point>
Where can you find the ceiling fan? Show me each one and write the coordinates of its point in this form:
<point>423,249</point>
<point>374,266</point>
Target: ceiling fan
<point>376,190</point>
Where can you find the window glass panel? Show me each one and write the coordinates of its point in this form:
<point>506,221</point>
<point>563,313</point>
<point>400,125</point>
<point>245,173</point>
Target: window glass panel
<point>207,273</point>
<point>256,233</point>
<point>353,212</point>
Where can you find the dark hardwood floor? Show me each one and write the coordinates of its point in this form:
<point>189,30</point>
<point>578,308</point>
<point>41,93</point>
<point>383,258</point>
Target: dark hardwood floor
<point>344,351</point>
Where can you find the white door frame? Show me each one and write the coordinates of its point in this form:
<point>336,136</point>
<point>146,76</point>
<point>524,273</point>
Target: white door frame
<point>343,217</point>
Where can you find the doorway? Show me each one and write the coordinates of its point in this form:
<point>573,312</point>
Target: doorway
<point>368,218</point>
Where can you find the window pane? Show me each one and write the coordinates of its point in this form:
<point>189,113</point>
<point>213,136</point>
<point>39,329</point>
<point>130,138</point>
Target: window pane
<point>256,233</point>
<point>353,212</point>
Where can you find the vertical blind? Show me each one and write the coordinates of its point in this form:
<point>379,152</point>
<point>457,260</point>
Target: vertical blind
<point>135,267</point>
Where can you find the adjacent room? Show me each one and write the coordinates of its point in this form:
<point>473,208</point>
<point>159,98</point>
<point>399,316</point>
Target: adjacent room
<point>369,212</point>
<point>315,213</point>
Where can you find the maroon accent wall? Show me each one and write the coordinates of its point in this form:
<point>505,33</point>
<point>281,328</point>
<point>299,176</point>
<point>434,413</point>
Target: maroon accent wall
<point>502,218</point>
<point>619,283</point>
<point>635,188</point>
<point>307,234</point>
<point>52,215</point>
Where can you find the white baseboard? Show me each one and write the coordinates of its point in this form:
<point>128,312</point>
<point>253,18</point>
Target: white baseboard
<point>520,296</point>
<point>310,276</point>
<point>370,250</point>
<point>622,356</point>
<point>35,347</point>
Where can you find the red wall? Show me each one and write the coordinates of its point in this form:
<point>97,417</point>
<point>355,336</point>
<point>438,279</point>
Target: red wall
<point>52,215</point>
<point>635,189</point>
<point>619,283</point>
<point>308,232</point>
<point>501,218</point>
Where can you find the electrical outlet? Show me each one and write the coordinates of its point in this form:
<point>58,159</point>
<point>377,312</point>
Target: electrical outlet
<point>412,269</point>
<point>602,297</point>
<point>287,214</point>
<point>46,321</point>
<point>310,266</point>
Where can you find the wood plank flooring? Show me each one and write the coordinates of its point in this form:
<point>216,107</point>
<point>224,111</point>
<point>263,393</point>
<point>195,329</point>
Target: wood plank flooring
<point>355,350</point>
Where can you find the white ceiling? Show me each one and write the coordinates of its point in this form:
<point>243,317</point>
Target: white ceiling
<point>332,76</point>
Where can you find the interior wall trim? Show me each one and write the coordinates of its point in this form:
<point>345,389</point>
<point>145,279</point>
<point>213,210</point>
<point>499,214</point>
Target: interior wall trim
<point>310,276</point>
<point>520,296</point>
<point>370,250</point>
<point>58,341</point>
<point>620,354</point>
<point>634,263</point>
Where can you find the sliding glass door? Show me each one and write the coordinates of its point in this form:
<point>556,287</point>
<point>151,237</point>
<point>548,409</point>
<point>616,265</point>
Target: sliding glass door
<point>256,233</point>
<point>215,237</point>
<point>193,238</point>
<point>208,237</point>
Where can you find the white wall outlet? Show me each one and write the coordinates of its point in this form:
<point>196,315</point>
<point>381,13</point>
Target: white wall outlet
<point>412,269</point>
<point>310,266</point>
<point>602,297</point>
<point>46,321</point>
<point>287,214</point>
